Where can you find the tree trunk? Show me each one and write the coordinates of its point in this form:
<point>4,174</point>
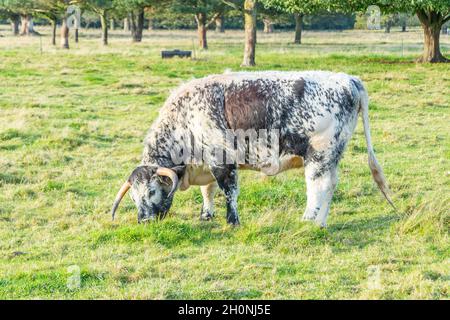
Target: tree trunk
<point>24,30</point>
<point>201,30</point>
<point>53,23</point>
<point>404,27</point>
<point>15,23</point>
<point>298,28</point>
<point>112,24</point>
<point>220,26</point>
<point>150,24</point>
<point>250,33</point>
<point>388,27</point>
<point>137,24</point>
<point>103,21</point>
<point>431,23</point>
<point>268,25</point>
<point>27,28</point>
<point>31,26</point>
<point>126,24</point>
<point>432,52</point>
<point>64,34</point>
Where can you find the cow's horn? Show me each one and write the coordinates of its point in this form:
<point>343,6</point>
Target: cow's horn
<point>166,172</point>
<point>123,190</point>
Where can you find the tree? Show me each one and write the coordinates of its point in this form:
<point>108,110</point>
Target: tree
<point>167,17</point>
<point>220,23</point>
<point>389,21</point>
<point>205,13</point>
<point>250,33</point>
<point>51,13</point>
<point>102,8</point>
<point>62,9</point>
<point>10,14</point>
<point>269,17</point>
<point>150,13</point>
<point>433,14</point>
<point>249,9</point>
<point>23,9</point>
<point>298,27</point>
<point>299,8</point>
<point>126,24</point>
<point>268,24</point>
<point>136,18</point>
<point>403,20</point>
<point>134,12</point>
<point>55,10</point>
<point>90,19</point>
<point>64,31</point>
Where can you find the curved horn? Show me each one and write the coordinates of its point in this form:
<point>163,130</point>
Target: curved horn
<point>166,172</point>
<point>123,190</point>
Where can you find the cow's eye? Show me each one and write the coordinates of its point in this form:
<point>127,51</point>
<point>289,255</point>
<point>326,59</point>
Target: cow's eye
<point>151,192</point>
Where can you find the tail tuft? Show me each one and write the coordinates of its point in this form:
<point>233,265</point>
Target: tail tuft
<point>378,177</point>
<point>375,168</point>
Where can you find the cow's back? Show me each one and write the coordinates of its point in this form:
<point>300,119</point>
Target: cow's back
<point>296,103</point>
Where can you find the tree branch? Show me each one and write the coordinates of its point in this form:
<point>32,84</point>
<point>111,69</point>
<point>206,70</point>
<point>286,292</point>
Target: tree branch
<point>447,18</point>
<point>214,17</point>
<point>421,14</point>
<point>233,5</point>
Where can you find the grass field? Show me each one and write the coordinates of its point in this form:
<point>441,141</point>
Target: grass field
<point>71,130</point>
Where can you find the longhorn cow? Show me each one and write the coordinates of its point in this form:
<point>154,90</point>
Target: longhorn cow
<point>309,118</point>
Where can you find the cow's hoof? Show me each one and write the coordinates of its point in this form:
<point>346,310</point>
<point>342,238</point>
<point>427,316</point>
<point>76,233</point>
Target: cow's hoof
<point>206,218</point>
<point>322,225</point>
<point>308,218</point>
<point>234,222</point>
<point>206,215</point>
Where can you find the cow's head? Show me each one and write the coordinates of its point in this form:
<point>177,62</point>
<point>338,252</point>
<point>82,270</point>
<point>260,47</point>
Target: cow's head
<point>152,190</point>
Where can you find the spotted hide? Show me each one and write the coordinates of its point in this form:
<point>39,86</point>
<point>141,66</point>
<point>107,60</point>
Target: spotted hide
<point>313,113</point>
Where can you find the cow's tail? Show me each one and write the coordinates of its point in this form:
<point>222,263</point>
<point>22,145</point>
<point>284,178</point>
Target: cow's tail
<point>377,171</point>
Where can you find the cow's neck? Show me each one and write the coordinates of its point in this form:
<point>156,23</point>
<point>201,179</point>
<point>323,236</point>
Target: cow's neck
<point>157,146</point>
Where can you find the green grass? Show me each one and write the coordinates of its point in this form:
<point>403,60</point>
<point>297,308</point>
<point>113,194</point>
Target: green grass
<point>71,130</point>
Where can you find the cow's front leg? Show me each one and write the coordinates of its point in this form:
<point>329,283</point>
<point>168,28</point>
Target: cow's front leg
<point>227,179</point>
<point>208,193</point>
<point>321,181</point>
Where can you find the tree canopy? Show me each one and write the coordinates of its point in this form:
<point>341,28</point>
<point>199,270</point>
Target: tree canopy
<point>431,13</point>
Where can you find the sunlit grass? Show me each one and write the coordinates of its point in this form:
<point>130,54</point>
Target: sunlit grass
<point>71,129</point>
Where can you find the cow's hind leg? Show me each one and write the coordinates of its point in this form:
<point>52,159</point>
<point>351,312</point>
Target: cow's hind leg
<point>320,185</point>
<point>321,179</point>
<point>208,193</point>
<point>227,180</point>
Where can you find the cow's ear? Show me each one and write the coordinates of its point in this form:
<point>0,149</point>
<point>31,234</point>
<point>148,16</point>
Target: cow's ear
<point>179,170</point>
